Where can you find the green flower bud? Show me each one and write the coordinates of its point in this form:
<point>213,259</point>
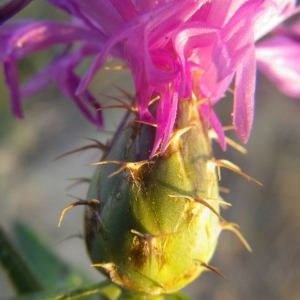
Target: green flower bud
<point>156,223</point>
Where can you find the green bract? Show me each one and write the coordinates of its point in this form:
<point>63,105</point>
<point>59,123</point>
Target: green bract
<point>157,221</point>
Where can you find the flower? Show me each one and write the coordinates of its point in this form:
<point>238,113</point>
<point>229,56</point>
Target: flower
<point>175,49</point>
<point>278,58</point>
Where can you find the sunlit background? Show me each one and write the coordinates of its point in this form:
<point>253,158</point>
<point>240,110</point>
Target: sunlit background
<point>34,187</point>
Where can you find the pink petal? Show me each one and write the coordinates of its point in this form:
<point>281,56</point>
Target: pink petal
<point>244,97</point>
<point>163,108</point>
<point>274,12</point>
<point>279,59</point>
<point>99,15</point>
<point>11,78</point>
<point>171,115</point>
<point>100,59</point>
<point>44,34</point>
<point>125,8</point>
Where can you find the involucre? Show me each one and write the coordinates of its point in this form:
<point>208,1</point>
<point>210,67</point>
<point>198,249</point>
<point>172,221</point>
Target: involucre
<point>156,223</point>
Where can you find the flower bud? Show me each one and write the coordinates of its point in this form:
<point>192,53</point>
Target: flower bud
<point>157,221</point>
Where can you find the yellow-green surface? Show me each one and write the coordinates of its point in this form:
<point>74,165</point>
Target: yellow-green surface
<point>149,232</point>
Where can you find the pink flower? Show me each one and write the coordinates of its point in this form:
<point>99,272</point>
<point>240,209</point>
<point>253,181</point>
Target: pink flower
<point>174,49</point>
<point>278,58</point>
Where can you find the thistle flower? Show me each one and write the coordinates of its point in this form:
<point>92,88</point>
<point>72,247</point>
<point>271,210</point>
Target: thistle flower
<point>173,48</point>
<point>155,196</point>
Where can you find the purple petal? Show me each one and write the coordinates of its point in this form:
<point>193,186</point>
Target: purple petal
<point>125,8</point>
<point>244,96</point>
<point>159,21</point>
<point>65,62</point>
<point>187,38</point>
<point>44,34</point>
<point>171,115</point>
<point>279,59</point>
<point>162,111</point>
<point>273,13</point>
<point>7,30</point>
<point>61,71</point>
<point>98,15</point>
<point>100,59</point>
<point>68,81</point>
<point>11,78</point>
<point>11,8</point>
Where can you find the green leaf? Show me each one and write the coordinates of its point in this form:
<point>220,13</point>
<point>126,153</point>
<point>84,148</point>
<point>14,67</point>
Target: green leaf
<point>18,271</point>
<point>45,264</point>
<point>100,291</point>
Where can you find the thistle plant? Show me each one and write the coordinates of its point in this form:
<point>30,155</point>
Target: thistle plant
<point>152,213</point>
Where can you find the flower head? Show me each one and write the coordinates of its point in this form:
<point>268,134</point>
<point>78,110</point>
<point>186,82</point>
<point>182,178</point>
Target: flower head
<point>155,196</point>
<point>175,50</point>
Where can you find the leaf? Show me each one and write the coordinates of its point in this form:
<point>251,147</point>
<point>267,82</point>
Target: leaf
<point>45,264</point>
<point>18,271</point>
<point>100,291</point>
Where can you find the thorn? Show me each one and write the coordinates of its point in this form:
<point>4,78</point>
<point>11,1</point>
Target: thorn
<point>235,145</point>
<point>146,123</point>
<point>230,166</point>
<point>224,190</point>
<point>128,107</point>
<point>229,141</point>
<point>115,99</point>
<point>201,101</point>
<point>97,144</point>
<point>204,202</point>
<point>76,235</point>
<point>229,127</point>
<point>104,266</point>
<point>210,268</point>
<point>100,145</point>
<point>234,228</point>
<point>153,100</point>
<point>230,90</point>
<point>119,67</point>
<point>224,204</point>
<point>92,203</point>
<point>149,236</point>
<point>111,271</point>
<point>126,94</point>
<point>197,102</point>
<point>132,166</point>
<point>176,134</point>
<point>78,181</point>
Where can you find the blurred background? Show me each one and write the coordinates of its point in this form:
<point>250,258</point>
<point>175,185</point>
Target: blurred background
<point>34,187</point>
